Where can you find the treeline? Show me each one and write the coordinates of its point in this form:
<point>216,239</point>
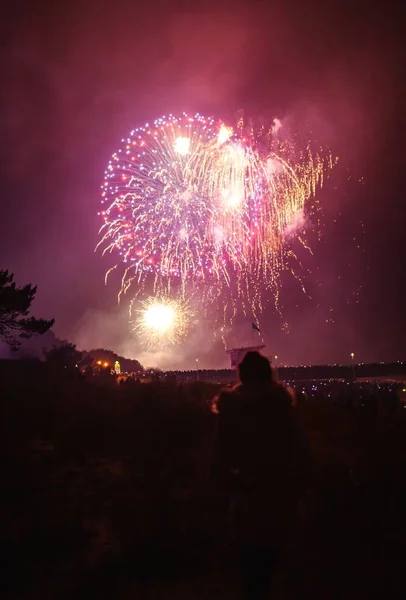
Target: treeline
<point>67,358</point>
<point>64,357</point>
<point>388,370</point>
<point>129,365</point>
<point>343,371</point>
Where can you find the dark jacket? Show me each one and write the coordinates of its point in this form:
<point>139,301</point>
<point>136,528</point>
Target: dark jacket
<point>262,457</point>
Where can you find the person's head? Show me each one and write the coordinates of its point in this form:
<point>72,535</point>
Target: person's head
<point>255,368</point>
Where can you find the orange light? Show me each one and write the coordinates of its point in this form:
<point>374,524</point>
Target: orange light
<point>99,362</point>
<point>106,364</point>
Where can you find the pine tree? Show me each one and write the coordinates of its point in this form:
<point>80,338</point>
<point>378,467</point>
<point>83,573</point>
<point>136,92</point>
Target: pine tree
<point>15,304</point>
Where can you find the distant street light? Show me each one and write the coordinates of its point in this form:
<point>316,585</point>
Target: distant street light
<point>353,364</point>
<point>197,369</point>
<point>275,366</point>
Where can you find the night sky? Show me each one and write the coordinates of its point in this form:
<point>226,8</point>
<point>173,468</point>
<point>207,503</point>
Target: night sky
<point>77,76</point>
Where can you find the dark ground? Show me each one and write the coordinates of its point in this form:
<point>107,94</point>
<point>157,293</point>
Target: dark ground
<point>107,494</point>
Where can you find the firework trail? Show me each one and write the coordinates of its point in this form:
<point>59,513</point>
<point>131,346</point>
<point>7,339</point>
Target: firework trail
<point>190,204</point>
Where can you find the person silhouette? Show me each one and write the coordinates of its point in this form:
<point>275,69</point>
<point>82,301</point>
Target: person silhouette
<point>261,461</point>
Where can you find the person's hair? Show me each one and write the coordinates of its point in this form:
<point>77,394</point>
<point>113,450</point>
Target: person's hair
<point>255,368</point>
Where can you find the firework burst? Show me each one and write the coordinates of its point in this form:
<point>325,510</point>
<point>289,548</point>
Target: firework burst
<point>161,321</point>
<point>158,200</point>
<point>190,204</point>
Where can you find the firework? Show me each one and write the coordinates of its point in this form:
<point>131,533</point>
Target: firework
<point>193,204</point>
<point>158,199</point>
<point>161,321</point>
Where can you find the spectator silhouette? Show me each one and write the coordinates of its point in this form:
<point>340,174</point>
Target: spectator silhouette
<point>260,458</point>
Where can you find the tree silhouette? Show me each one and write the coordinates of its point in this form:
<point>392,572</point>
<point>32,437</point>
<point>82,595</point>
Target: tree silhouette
<point>64,356</point>
<point>15,303</point>
<point>127,364</point>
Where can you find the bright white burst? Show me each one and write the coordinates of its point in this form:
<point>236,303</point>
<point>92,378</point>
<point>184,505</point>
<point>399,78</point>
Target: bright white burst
<point>182,145</point>
<point>159,318</point>
<point>161,321</point>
